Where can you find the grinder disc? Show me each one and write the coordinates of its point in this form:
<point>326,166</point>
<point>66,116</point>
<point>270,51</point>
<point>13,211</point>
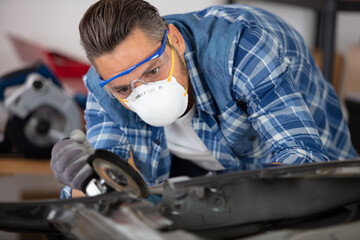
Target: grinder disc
<point>118,174</point>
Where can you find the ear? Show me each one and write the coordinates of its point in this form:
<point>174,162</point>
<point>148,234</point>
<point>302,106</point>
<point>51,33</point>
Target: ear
<point>176,39</point>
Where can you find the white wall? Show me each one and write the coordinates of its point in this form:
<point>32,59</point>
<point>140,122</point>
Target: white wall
<point>54,24</point>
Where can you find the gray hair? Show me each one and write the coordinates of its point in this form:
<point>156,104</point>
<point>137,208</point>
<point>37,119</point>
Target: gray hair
<point>108,22</point>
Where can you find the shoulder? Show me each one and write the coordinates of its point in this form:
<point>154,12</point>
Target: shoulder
<point>235,13</point>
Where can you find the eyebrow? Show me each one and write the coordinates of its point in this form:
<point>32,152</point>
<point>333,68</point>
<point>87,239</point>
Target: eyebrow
<point>149,68</point>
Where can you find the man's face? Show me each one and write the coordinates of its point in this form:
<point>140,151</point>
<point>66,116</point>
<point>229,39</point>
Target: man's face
<point>134,49</point>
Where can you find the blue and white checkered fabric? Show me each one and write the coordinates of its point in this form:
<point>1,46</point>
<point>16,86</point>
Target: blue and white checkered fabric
<point>274,106</point>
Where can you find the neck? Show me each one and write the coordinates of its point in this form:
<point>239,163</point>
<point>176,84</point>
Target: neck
<point>191,99</point>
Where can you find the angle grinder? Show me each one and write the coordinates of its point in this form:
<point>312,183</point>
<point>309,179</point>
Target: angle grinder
<point>111,173</point>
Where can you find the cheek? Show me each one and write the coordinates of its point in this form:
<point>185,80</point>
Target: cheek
<point>181,73</point>
<point>180,78</point>
<point>184,81</point>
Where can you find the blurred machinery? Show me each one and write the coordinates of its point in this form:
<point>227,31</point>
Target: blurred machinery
<point>40,111</point>
<point>44,102</point>
<point>311,201</point>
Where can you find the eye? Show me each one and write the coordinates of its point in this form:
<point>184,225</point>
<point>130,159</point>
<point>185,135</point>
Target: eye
<point>124,89</point>
<point>154,72</point>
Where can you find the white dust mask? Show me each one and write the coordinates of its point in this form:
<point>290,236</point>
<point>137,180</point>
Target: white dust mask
<point>159,103</point>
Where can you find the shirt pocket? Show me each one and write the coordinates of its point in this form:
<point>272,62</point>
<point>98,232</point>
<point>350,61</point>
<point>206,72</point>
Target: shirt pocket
<point>245,143</point>
<point>156,149</point>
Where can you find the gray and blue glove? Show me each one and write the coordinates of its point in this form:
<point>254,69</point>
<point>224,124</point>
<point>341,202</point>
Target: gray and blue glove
<point>69,160</point>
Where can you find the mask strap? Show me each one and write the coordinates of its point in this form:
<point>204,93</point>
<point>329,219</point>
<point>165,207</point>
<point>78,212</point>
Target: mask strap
<point>122,100</point>
<point>185,92</point>
<point>172,64</point>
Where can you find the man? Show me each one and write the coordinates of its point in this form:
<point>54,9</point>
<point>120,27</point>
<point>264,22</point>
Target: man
<point>224,89</point>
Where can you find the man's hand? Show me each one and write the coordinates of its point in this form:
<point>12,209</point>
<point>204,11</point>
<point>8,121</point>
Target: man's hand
<point>276,163</point>
<point>69,160</point>
<point>77,194</point>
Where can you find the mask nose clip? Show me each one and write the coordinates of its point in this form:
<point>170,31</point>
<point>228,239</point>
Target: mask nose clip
<point>139,83</point>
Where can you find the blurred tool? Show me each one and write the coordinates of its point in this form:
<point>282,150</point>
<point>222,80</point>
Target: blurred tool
<point>41,112</point>
<point>33,127</point>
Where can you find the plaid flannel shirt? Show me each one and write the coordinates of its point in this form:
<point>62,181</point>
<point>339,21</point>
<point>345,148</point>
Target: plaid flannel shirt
<point>274,106</point>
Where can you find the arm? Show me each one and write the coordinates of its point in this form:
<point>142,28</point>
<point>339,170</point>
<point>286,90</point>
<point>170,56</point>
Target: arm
<point>77,194</point>
<point>102,133</point>
<point>277,110</point>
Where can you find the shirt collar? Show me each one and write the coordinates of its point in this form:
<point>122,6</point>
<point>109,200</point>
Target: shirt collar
<point>202,95</point>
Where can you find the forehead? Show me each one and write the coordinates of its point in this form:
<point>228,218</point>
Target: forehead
<point>135,48</point>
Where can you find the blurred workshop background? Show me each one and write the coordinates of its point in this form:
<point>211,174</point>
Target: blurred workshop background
<point>52,27</point>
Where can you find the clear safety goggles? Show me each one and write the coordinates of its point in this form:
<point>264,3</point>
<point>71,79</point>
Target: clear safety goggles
<point>159,68</point>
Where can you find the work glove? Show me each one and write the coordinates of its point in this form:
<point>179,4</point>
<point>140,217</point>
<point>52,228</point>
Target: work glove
<point>69,160</point>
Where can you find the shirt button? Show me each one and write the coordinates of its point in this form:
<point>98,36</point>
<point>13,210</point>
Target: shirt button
<point>157,142</point>
<point>252,138</point>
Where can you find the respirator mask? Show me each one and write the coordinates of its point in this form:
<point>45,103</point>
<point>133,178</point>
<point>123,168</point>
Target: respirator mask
<point>158,103</point>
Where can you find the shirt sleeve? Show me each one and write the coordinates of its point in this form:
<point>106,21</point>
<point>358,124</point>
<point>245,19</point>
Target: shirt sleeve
<point>102,132</point>
<point>66,193</point>
<point>277,110</point>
